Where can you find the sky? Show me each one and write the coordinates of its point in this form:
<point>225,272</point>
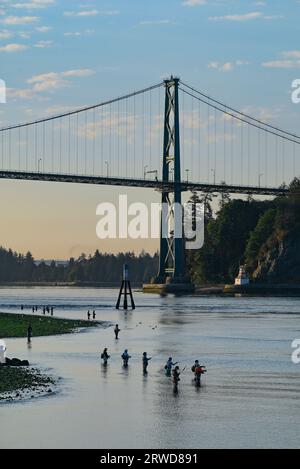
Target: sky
<point>61,54</point>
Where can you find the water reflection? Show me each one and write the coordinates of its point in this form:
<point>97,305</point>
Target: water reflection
<point>104,368</point>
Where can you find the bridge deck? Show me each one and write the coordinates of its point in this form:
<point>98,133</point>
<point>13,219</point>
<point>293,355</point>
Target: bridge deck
<point>142,183</point>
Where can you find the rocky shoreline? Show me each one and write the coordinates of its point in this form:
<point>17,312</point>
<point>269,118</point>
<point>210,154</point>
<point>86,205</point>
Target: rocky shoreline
<point>19,383</point>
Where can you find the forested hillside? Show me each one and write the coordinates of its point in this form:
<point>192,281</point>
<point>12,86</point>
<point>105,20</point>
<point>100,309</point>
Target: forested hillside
<point>264,235</point>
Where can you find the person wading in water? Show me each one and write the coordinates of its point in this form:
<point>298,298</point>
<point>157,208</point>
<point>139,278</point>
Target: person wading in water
<point>105,356</point>
<point>145,362</point>
<point>29,333</point>
<point>169,365</point>
<point>117,331</point>
<point>125,356</point>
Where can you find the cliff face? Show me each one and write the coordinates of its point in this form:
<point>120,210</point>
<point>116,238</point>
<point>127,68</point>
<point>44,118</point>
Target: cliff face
<point>279,261</point>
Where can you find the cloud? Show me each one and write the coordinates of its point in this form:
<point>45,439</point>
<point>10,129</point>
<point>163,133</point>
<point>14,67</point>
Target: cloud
<point>18,20</point>
<point>194,3</point>
<point>245,17</point>
<point>54,80</point>
<point>282,64</point>
<point>43,44</point>
<point>5,34</point>
<point>43,29</point>
<point>273,17</point>
<point>79,33</point>
<point>24,35</point>
<point>12,48</point>
<point>290,59</point>
<point>227,66</point>
<point>53,110</point>
<point>20,93</point>
<point>292,54</point>
<point>155,22</point>
<point>82,13</point>
<point>48,83</point>
<point>262,113</point>
<point>118,124</point>
<point>86,13</point>
<point>33,4</point>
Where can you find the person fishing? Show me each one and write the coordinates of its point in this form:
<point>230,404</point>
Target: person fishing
<point>117,331</point>
<point>94,315</point>
<point>146,360</point>
<point>105,356</point>
<point>88,315</point>
<point>29,333</point>
<point>198,371</point>
<point>169,365</point>
<point>125,357</point>
<point>195,365</point>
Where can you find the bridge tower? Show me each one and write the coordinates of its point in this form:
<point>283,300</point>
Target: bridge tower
<point>172,276</point>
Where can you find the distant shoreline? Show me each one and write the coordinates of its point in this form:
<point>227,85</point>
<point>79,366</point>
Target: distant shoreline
<point>258,289</point>
<point>69,284</point>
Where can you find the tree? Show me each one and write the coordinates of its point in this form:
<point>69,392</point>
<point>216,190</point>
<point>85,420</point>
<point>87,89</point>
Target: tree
<point>224,196</point>
<point>259,236</point>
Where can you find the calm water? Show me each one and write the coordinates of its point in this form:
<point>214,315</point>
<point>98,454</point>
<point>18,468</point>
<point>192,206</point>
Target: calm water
<point>250,396</point>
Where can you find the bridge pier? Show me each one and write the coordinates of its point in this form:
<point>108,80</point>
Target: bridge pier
<point>172,275</point>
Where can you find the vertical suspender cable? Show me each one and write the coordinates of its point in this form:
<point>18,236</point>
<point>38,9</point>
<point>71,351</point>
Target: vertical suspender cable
<point>94,134</point>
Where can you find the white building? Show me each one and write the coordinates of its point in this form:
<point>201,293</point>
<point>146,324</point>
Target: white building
<point>2,351</point>
<point>242,278</point>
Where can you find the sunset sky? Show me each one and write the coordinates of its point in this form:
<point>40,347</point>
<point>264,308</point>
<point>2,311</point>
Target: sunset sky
<point>59,54</point>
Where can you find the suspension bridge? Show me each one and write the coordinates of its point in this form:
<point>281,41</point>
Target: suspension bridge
<point>170,137</point>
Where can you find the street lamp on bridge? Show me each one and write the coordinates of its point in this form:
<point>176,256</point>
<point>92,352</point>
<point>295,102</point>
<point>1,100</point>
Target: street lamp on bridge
<point>152,172</point>
<point>39,162</point>
<point>187,175</point>
<point>214,173</point>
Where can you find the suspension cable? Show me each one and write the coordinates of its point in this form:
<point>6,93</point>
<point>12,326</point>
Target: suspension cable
<point>83,109</point>
<point>247,116</point>
<point>241,119</point>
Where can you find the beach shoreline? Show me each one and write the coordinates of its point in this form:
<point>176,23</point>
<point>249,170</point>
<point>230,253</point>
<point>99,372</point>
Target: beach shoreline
<point>25,382</point>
